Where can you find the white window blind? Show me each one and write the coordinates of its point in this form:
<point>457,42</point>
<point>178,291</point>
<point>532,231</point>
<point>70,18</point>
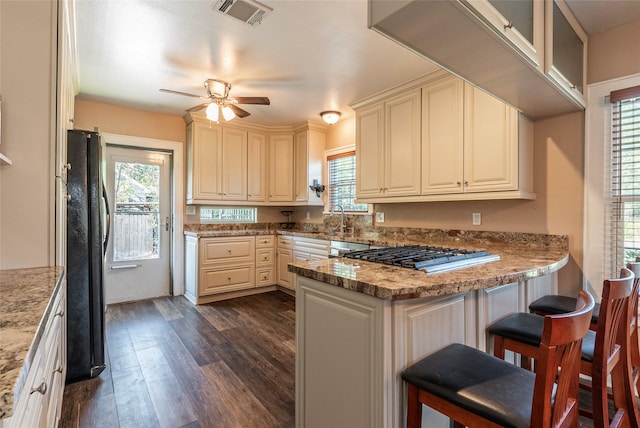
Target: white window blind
<point>342,182</point>
<point>624,209</point>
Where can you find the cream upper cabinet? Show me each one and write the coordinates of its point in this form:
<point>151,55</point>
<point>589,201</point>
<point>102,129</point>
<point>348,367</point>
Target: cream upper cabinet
<point>471,145</point>
<point>442,136</point>
<point>281,173</point>
<point>309,159</point>
<point>204,151</point>
<point>234,164</point>
<point>370,151</point>
<point>388,147</point>
<point>257,167</point>
<point>490,143</point>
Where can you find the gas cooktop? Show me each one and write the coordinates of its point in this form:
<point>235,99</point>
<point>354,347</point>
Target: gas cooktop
<point>426,258</point>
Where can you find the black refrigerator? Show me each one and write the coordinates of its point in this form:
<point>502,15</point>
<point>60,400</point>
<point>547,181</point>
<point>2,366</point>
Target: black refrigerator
<point>87,235</point>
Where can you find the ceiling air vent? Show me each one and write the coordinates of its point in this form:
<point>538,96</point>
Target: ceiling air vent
<point>248,11</point>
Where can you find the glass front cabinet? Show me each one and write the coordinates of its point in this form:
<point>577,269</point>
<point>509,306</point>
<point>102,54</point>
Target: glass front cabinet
<point>565,50</point>
<point>521,23</point>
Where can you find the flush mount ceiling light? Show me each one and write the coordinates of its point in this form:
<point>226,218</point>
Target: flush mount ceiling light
<point>330,116</point>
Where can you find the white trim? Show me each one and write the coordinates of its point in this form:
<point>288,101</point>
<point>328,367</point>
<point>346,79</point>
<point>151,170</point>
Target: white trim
<point>597,135</point>
<point>177,206</point>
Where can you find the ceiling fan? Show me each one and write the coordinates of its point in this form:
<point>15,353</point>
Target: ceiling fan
<point>218,100</point>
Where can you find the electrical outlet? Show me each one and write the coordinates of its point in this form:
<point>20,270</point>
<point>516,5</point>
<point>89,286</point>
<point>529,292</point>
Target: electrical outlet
<point>308,215</point>
<point>476,219</point>
<point>191,210</point>
<point>379,217</point>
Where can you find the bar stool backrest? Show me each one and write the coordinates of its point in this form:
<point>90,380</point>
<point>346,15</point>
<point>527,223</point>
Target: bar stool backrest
<point>560,347</point>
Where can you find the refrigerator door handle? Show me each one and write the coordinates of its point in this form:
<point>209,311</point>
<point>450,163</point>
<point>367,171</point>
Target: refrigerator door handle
<point>108,218</point>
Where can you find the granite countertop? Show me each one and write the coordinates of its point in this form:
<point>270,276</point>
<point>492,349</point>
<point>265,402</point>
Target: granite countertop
<point>26,297</point>
<point>522,257</point>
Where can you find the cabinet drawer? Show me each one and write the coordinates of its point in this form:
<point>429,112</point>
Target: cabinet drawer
<point>285,242</point>
<point>265,241</point>
<point>230,279</point>
<point>264,257</point>
<point>216,250</point>
<point>265,276</point>
<point>316,246</point>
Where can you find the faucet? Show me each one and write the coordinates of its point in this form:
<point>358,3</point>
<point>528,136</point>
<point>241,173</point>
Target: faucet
<point>343,226</point>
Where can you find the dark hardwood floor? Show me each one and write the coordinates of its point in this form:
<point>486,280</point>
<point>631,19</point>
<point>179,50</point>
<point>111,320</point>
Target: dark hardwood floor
<point>172,364</point>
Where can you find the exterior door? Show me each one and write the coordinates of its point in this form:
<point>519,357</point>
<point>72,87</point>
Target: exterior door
<point>138,253</point>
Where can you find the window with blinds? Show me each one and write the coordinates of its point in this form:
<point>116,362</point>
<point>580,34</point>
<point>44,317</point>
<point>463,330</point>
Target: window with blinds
<point>624,211</point>
<point>342,182</point>
<point>228,215</point>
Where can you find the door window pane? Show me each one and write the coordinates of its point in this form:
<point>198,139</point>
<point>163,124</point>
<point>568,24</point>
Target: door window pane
<point>137,218</point>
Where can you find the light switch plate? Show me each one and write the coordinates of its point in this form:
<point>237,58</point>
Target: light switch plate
<point>379,217</point>
<point>476,219</point>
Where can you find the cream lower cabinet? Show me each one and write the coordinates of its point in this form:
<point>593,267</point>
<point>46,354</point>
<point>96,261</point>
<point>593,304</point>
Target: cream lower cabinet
<point>284,256</point>
<point>388,147</point>
<point>40,402</point>
<point>218,265</point>
<point>358,344</point>
<point>265,260</point>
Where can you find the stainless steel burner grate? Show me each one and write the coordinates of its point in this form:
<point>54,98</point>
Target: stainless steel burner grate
<point>427,258</point>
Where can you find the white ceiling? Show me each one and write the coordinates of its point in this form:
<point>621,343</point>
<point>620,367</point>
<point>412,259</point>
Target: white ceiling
<point>307,56</point>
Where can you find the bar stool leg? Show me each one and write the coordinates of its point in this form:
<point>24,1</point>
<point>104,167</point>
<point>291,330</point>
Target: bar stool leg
<point>414,407</point>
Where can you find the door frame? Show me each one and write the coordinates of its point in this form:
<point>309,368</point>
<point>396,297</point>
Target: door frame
<point>176,149</point>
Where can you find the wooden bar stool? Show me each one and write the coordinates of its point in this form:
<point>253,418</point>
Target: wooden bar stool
<point>602,356</point>
<point>477,389</point>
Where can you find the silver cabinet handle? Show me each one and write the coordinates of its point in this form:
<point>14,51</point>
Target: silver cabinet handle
<point>124,267</point>
<point>508,26</point>
<point>59,314</point>
<point>42,388</point>
<point>58,370</point>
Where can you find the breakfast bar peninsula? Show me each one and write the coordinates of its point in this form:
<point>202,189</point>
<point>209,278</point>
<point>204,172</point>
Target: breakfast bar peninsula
<point>359,323</point>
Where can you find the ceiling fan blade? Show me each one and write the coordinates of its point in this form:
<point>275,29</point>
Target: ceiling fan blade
<point>238,111</point>
<point>253,100</point>
<point>182,93</point>
<point>200,107</point>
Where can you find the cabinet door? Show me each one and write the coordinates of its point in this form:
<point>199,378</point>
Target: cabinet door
<point>565,50</point>
<point>256,167</point>
<point>284,277</point>
<point>281,168</point>
<point>402,144</point>
<point>442,136</point>
<point>301,166</point>
<point>204,178</point>
<point>490,143</point>
<point>520,22</point>
<point>234,164</point>
<point>370,151</point>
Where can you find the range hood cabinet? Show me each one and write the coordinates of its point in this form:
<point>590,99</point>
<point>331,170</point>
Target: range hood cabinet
<point>450,34</point>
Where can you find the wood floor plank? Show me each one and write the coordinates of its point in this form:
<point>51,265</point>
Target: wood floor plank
<point>167,309</point>
<point>172,407</point>
<point>238,397</point>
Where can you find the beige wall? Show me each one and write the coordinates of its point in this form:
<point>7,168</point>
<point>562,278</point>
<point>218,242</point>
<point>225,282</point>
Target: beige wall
<point>127,121</point>
<point>614,53</point>
<point>27,83</point>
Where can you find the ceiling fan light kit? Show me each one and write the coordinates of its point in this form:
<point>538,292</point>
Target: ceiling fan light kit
<point>217,98</point>
<point>330,116</point>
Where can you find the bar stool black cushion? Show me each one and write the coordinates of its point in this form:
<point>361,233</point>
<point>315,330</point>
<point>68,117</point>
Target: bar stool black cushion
<point>524,327</point>
<point>527,328</point>
<point>552,304</point>
<point>478,382</point>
